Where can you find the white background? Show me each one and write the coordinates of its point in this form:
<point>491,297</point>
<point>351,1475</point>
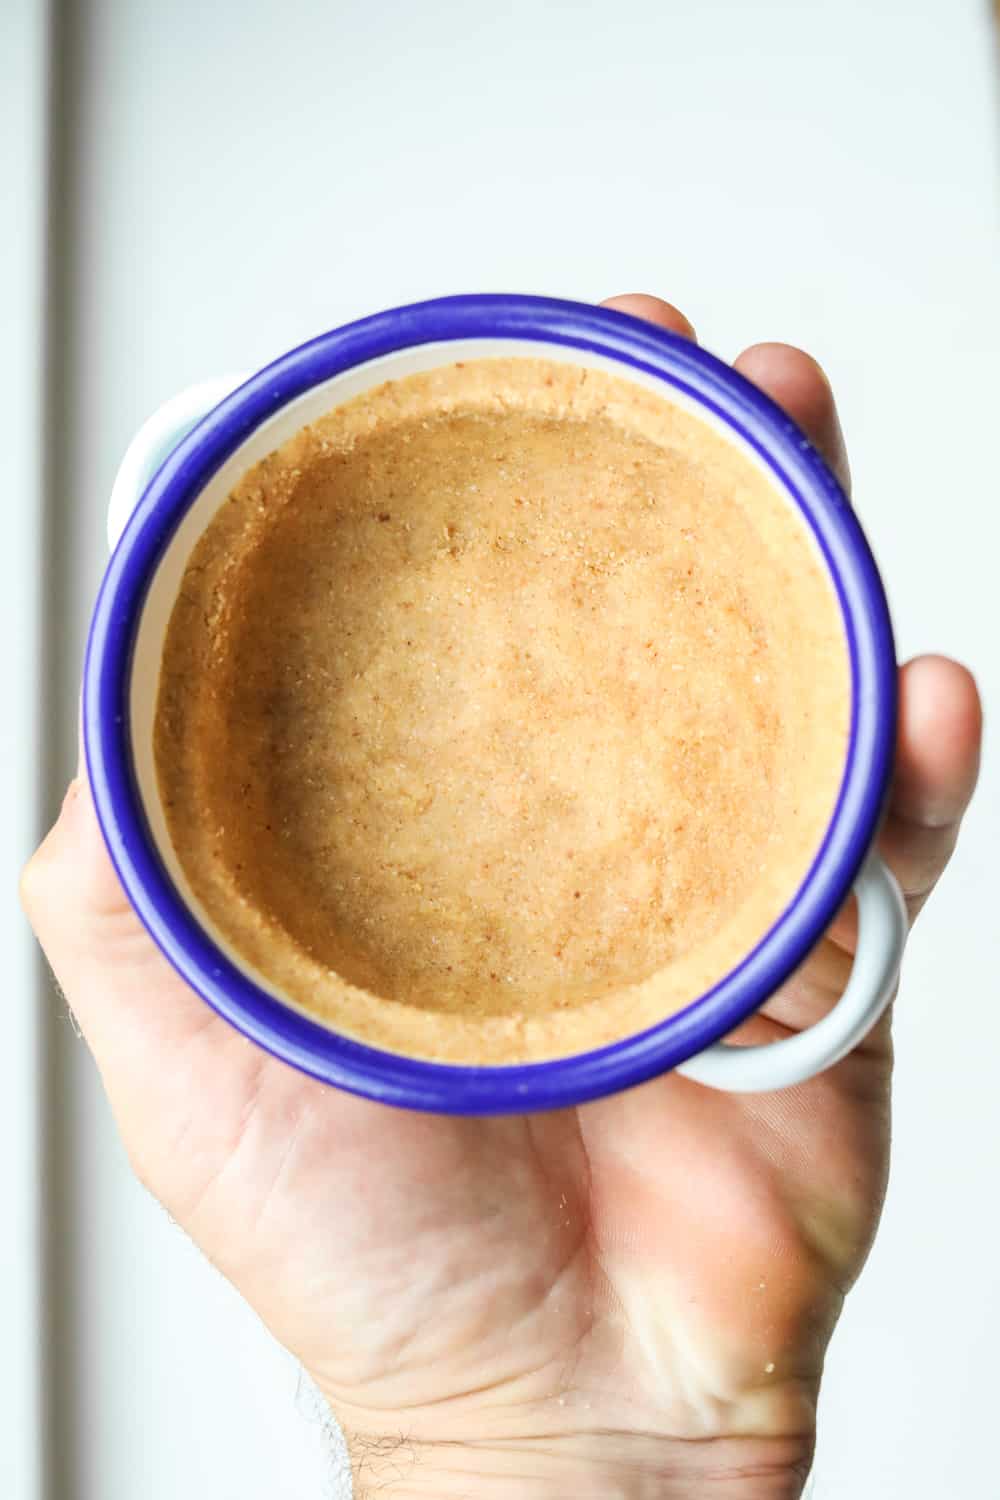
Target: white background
<point>228,179</point>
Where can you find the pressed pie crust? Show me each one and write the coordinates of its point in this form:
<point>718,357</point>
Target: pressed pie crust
<point>502,710</point>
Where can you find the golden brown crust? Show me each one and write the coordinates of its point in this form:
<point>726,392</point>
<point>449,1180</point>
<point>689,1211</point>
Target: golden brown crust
<point>501,712</point>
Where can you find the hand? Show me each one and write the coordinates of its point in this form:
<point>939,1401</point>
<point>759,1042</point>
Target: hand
<point>631,1299</point>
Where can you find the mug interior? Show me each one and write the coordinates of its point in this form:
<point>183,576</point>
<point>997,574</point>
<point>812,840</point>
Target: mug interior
<point>270,435</point>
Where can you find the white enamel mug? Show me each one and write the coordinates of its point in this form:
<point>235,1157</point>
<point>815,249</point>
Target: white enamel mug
<point>181,467</point>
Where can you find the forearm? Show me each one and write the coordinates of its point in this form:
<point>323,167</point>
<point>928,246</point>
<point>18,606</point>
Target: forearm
<point>598,1467</point>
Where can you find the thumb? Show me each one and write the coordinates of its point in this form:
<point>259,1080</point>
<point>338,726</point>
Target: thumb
<point>120,988</point>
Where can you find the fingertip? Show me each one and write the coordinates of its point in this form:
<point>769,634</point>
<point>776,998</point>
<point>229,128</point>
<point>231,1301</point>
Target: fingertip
<point>802,388</point>
<point>953,676</point>
<point>778,363</point>
<point>939,740</point>
<point>652,310</point>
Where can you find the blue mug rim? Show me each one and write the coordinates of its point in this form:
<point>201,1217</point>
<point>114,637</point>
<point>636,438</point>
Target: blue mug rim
<point>515,1088</point>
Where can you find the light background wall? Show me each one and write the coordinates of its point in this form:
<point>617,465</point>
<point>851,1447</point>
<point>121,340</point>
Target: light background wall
<point>231,178</point>
<point>23,144</point>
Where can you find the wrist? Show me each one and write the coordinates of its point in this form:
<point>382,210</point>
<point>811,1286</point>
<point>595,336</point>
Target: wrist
<point>599,1466</point>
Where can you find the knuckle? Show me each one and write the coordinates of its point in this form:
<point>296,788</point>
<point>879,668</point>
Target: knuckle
<point>34,882</point>
<point>39,876</point>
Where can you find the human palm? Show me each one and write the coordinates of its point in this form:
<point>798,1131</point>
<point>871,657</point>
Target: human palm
<point>577,1294</point>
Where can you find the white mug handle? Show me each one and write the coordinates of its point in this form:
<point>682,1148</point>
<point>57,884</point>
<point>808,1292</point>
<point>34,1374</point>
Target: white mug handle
<point>882,928</point>
<point>882,922</point>
<point>155,441</point>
